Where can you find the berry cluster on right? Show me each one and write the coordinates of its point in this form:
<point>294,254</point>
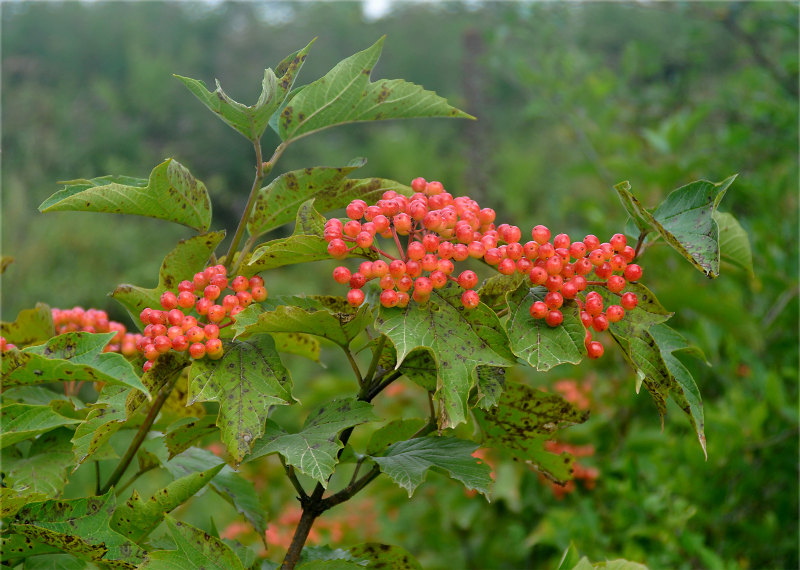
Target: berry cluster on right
<point>172,328</point>
<point>431,231</point>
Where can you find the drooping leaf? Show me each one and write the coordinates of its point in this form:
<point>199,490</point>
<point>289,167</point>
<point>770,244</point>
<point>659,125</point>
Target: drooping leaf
<point>385,556</point>
<point>407,462</point>
<point>184,433</point>
<point>75,356</point>
<point>188,257</point>
<point>136,518</point>
<point>278,202</point>
<point>246,381</point>
<point>345,94</point>
<point>459,340</point>
<point>19,422</point>
<point>228,484</point>
<point>306,244</point>
<point>171,194</point>
<point>734,243</point>
<point>314,448</point>
<point>533,340</point>
<point>106,417</point>
<point>31,326</point>
<point>43,471</point>
<point>195,549</point>
<point>523,420</point>
<point>340,323</point>
<point>79,527</point>
<point>251,121</point>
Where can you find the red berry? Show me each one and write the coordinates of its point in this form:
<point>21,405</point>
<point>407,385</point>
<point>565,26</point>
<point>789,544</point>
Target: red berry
<point>418,184</point>
<point>538,275</point>
<point>357,281</point>
<point>616,283</point>
<point>355,210</point>
<point>256,281</point>
<point>600,323</point>
<point>586,320</point>
<point>214,348</point>
<point>341,275</point>
<point>147,365</point>
<point>203,305</point>
<point>186,285</point>
<point>175,317</point>
<point>615,313</point>
<point>633,272</point>
<point>554,282</point>
<point>423,285</point>
<point>554,318</point>
<point>355,297</point>
<point>468,279</point>
<point>150,352</point>
<point>470,299</point>
<point>195,334</point>
<point>216,313</point>
<point>240,283</point>
<point>245,298</point>
<point>180,343</point>
<point>386,282</point>
<point>259,293</point>
<point>540,234</point>
<point>413,269</point>
<point>628,253</point>
<point>591,242</point>
<point>538,310</point>
<point>188,322</point>
<point>561,240</point>
<point>211,292</point>
<point>594,304</point>
<point>617,262</point>
<point>507,266</point>
<point>553,300</point>
<point>337,248</point>
<point>618,242</point>
<point>211,331</point>
<point>220,281</point>
<point>197,350</point>
<point>429,262</point>
<point>629,301</point>
<point>594,349</point>
<point>186,299</point>
<point>388,298</point>
<point>144,316</point>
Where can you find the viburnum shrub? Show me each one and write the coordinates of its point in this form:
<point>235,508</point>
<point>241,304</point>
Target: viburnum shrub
<point>427,285</point>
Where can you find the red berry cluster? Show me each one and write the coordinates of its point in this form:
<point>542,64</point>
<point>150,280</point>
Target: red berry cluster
<point>587,475</point>
<point>171,328</point>
<point>96,321</point>
<point>564,266</point>
<point>438,230</point>
<point>5,345</point>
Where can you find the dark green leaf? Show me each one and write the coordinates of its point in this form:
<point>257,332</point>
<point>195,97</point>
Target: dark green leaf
<point>385,556</point>
<point>407,462</point>
<point>12,500</point>
<point>106,417</point>
<point>164,369</point>
<point>394,431</point>
<point>184,433</point>
<point>79,527</point>
<point>19,422</point>
<point>188,257</point>
<point>491,380</point>
<point>418,366</point>
<point>539,344</point>
<point>55,562</point>
<point>253,120</point>
<point>641,217</point>
<point>345,94</point>
<point>75,356</point>
<point>195,549</point>
<point>171,193</point>
<point>246,381</point>
<point>135,519</point>
<point>459,340</point>
<point>314,449</point>
<point>523,420</point>
<point>31,326</point>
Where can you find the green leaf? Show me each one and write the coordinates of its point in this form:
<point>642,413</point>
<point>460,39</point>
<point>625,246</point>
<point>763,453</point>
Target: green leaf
<point>184,433</point>
<point>297,343</point>
<point>31,326</point>
<point>327,317</point>
<point>394,431</point>
<point>164,369</point>
<point>55,562</point>
<point>491,381</point>
<point>734,243</point>
<point>189,256</point>
<point>685,393</point>
<point>228,484</point>
<point>79,527</point>
<point>43,471</point>
<point>314,449</point>
<point>253,120</point>
<point>278,202</point>
<point>171,194</point>
<point>135,519</point>
<point>75,356</point>
<point>570,558</point>
<point>523,420</point>
<point>19,422</point>
<point>418,366</point>
<point>345,94</point>
<point>246,381</point>
<point>106,417</point>
<point>195,549</point>
<point>649,310</point>
<point>640,216</point>
<point>459,340</point>
<point>533,340</point>
<point>493,291</point>
<point>12,500</point>
<point>385,556</point>
<point>306,244</point>
<point>407,462</point>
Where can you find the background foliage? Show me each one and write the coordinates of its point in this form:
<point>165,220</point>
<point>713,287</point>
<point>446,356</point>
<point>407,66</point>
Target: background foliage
<point>571,99</point>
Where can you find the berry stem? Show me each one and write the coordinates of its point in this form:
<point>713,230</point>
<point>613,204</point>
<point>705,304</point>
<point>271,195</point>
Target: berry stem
<point>398,244</point>
<point>639,243</point>
<point>379,252</point>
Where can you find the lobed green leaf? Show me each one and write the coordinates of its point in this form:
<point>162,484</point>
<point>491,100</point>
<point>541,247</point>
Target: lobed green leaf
<point>31,326</point>
<point>195,549</point>
<point>106,416</point>
<point>42,472</point>
<point>19,422</point>
<point>171,193</point>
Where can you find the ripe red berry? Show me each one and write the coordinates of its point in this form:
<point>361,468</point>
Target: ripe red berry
<point>186,285</point>
<point>240,283</point>
<point>629,301</point>
<point>195,334</point>
<point>355,209</point>
<point>615,313</point>
<point>554,318</point>
<point>467,279</point>
<point>259,293</point>
<point>180,343</point>
<point>617,262</point>
<point>538,310</point>
<point>600,323</point>
<point>162,344</point>
<point>355,297</point>
<point>150,352</point>
<point>540,234</point>
<point>618,242</point>
<point>220,281</point>
<point>388,298</point>
<point>586,320</point>
<point>616,283</point>
<point>594,350</point>
<point>594,304</point>
<point>211,292</point>
<point>470,299</point>
<point>245,299</point>
<point>604,271</point>
<point>561,240</point>
<point>507,266</point>
<point>147,365</point>
<point>341,275</point>
<point>418,184</point>
<point>538,275</point>
<point>211,331</point>
<point>553,300</point>
<point>214,348</point>
<point>423,285</point>
<point>188,322</point>
<point>186,299</point>
<point>197,350</point>
<point>628,253</point>
<point>577,249</point>
<point>413,269</point>
<point>554,282</point>
<point>216,313</point>
<point>175,317</point>
<point>569,289</point>
<point>203,305</point>
<point>591,242</point>
<point>357,280</point>
<point>633,272</point>
<point>337,248</point>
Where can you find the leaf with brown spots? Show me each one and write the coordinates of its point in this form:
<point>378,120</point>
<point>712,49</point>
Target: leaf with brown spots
<point>43,471</point>
<point>71,356</point>
<point>523,420</point>
<point>187,258</point>
<point>345,95</point>
<point>19,422</point>
<point>107,415</point>
<point>136,518</point>
<point>252,121</point>
<point>458,339</point>
<point>184,433</point>
<point>386,556</point>
<point>79,527</point>
<point>171,193</point>
<point>313,450</point>
<point>31,326</point>
<point>195,549</point>
<point>246,381</point>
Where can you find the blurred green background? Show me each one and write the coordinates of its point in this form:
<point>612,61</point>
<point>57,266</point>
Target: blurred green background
<point>571,99</point>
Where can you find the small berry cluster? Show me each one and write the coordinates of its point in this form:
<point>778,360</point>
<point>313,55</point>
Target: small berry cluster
<point>439,230</point>
<point>5,345</point>
<point>171,328</point>
<point>96,321</point>
<point>562,267</point>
